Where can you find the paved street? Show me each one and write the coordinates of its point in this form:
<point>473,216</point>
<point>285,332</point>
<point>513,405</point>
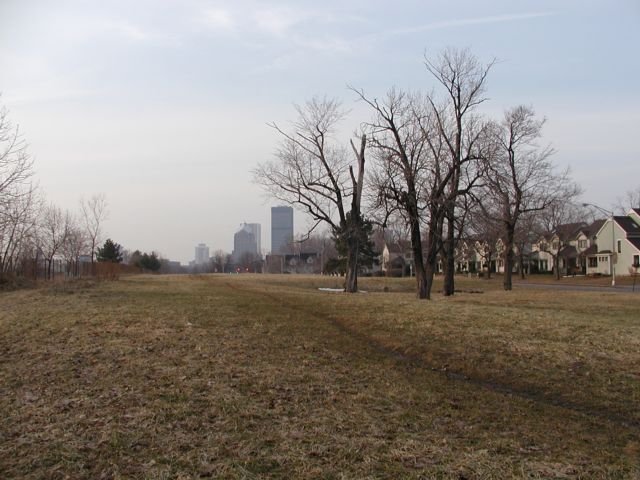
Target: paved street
<point>580,288</point>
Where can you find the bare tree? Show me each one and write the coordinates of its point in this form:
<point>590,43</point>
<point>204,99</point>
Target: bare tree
<point>312,172</point>
<point>53,231</point>
<point>219,260</point>
<point>484,234</point>
<point>18,198</point>
<point>560,222</point>
<point>74,245</point>
<point>94,213</point>
<point>463,78</point>
<point>520,176</point>
<point>408,183</point>
<point>631,199</point>
<point>16,166</point>
<point>426,154</point>
<point>18,221</point>
<point>524,237</point>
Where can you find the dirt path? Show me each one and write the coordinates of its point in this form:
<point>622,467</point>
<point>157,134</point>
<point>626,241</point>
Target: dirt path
<point>538,396</point>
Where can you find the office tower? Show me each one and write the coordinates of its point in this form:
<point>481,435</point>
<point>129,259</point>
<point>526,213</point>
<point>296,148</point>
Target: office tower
<point>244,242</point>
<point>257,233</point>
<point>202,254</point>
<point>281,230</point>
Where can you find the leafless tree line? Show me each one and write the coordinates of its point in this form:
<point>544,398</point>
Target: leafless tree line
<point>33,233</point>
<point>435,163</point>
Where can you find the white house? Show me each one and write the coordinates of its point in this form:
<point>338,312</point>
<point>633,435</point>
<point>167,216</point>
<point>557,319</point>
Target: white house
<point>618,246</point>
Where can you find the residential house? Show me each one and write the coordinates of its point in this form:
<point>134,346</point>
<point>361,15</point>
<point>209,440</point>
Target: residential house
<point>618,245</point>
<point>397,258</point>
<point>541,258</point>
<point>562,248</point>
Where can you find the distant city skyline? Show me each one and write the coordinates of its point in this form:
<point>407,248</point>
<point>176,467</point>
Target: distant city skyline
<point>164,106</point>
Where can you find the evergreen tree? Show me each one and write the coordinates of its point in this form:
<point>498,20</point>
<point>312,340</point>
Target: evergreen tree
<point>135,258</point>
<point>110,252</point>
<point>149,262</point>
<point>361,231</point>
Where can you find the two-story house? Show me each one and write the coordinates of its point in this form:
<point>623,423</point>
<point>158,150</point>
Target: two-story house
<point>618,245</point>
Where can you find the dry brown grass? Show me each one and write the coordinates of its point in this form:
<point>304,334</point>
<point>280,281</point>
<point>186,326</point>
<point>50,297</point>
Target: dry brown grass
<point>267,377</point>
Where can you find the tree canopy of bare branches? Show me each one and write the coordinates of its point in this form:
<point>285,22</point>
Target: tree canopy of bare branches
<point>18,198</point>
<point>631,199</point>
<point>460,130</point>
<point>520,176</point>
<point>312,172</point>
<point>94,213</point>
<point>404,178</point>
<point>16,166</point>
<point>53,233</point>
<point>426,154</point>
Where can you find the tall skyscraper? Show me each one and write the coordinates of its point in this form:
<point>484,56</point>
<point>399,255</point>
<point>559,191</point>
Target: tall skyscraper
<point>244,242</point>
<point>256,230</point>
<point>202,254</point>
<point>281,230</point>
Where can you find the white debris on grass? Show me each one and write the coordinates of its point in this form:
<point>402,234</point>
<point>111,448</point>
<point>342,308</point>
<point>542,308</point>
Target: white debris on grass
<point>337,290</point>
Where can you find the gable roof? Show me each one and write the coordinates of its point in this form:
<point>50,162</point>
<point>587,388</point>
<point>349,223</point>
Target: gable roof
<point>570,230</point>
<point>628,225</point>
<point>398,247</point>
<point>635,242</point>
<point>568,252</point>
<point>592,229</point>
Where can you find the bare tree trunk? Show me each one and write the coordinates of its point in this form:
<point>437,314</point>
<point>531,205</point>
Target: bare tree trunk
<point>508,256</point>
<point>521,263</point>
<point>351,278</point>
<point>556,266</point>
<point>448,287</point>
<point>423,287</point>
<point>428,278</point>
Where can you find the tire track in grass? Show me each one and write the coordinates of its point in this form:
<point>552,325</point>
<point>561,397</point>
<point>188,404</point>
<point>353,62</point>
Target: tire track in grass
<point>419,362</point>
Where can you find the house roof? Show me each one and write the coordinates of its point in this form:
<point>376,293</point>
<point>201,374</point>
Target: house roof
<point>592,229</point>
<point>637,211</point>
<point>399,247</point>
<point>592,250</point>
<point>635,242</point>
<point>568,252</point>
<point>570,230</point>
<point>628,225</point>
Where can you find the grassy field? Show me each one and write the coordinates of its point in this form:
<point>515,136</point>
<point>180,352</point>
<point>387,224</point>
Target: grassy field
<point>268,377</point>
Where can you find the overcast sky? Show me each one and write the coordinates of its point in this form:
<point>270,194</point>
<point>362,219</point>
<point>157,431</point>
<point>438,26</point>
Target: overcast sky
<point>163,105</point>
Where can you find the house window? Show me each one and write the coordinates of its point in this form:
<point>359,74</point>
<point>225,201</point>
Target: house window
<point>619,246</point>
<point>582,244</point>
<point>555,245</point>
<point>593,262</point>
<point>636,261</point>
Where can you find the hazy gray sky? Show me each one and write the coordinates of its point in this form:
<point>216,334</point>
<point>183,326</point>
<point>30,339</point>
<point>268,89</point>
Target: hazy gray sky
<point>163,105</point>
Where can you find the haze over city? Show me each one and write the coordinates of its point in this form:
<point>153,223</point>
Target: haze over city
<point>164,106</point>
